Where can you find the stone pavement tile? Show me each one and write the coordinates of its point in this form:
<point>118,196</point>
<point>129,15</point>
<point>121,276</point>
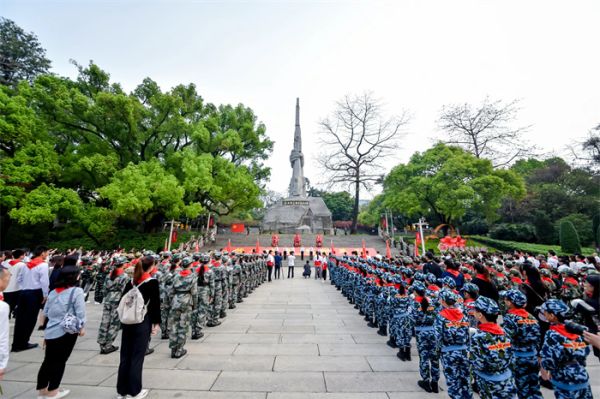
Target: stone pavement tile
<point>243,338</point>
<point>264,323</point>
<point>392,363</point>
<point>282,329</point>
<point>229,363</point>
<point>12,366</point>
<point>89,344</point>
<point>316,339</point>
<point>356,349</point>
<point>176,394</point>
<point>321,363</point>
<point>157,360</point>
<point>372,338</point>
<point>15,389</point>
<point>74,374</point>
<point>209,349</point>
<point>346,330</point>
<point>277,349</point>
<point>81,391</point>
<point>326,395</point>
<point>281,316</point>
<point>231,327</point>
<point>371,382</point>
<point>267,381</point>
<point>422,394</point>
<point>186,380</point>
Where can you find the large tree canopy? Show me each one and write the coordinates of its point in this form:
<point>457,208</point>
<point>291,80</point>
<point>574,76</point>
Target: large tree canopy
<point>129,158</point>
<point>447,181</point>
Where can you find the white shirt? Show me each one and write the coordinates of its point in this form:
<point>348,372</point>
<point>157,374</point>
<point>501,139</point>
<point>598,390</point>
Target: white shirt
<point>14,270</point>
<point>553,262</point>
<point>35,278</point>
<point>271,258</point>
<point>4,308</point>
<point>291,259</point>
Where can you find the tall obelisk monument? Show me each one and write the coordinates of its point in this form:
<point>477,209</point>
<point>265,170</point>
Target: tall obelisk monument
<point>297,184</point>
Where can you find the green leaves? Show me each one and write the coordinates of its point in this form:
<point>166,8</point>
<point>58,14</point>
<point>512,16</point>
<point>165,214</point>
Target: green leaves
<point>448,181</point>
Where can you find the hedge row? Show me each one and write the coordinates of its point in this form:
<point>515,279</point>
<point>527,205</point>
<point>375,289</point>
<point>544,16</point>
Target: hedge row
<point>509,246</point>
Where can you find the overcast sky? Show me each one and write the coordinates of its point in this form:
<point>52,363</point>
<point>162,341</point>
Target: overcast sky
<point>414,55</point>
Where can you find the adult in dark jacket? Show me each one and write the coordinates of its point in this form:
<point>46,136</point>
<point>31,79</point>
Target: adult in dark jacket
<point>533,287</point>
<point>452,270</point>
<point>432,267</point>
<point>483,281</point>
<point>135,337</point>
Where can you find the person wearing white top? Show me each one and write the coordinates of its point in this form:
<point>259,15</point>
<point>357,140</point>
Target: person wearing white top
<point>12,292</point>
<point>290,260</point>
<point>4,310</point>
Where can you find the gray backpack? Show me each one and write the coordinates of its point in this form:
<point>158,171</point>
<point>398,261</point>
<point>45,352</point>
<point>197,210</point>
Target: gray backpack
<point>132,308</point>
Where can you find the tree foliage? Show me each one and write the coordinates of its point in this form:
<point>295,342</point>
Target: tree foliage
<point>22,57</point>
<point>446,181</point>
<point>340,203</point>
<point>569,239</point>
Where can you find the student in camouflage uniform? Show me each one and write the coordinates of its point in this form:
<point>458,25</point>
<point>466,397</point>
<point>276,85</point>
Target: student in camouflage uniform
<point>165,282</point>
<point>225,274</point>
<point>236,278</point>
<point>563,355</point>
<point>103,269</point>
<point>470,293</point>
<point>452,340</point>
<point>217,295</point>
<point>491,353</point>
<point>206,285</point>
<point>184,302</point>
<point>401,324</point>
<point>523,330</point>
<point>423,313</point>
<point>113,291</point>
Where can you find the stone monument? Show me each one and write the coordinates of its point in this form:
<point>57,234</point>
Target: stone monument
<point>298,212</point>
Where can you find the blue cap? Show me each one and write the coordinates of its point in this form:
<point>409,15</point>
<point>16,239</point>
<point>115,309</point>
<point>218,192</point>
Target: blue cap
<point>515,296</point>
<point>486,305</point>
<point>447,295</point>
<point>556,307</point>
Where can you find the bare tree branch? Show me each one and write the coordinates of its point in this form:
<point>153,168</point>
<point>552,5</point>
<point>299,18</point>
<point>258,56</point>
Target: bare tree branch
<point>355,138</point>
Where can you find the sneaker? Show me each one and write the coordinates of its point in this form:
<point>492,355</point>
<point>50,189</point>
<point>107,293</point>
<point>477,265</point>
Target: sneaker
<point>61,394</point>
<point>143,393</point>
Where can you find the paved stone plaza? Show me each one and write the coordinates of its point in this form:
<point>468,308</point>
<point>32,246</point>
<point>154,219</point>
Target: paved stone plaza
<point>290,339</point>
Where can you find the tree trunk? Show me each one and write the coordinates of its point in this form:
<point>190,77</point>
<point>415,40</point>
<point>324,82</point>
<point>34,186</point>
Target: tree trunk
<point>355,208</point>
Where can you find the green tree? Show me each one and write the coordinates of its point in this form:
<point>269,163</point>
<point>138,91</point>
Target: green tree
<point>340,203</point>
<point>22,57</point>
<point>583,226</point>
<point>569,240</point>
<point>370,215</point>
<point>447,181</point>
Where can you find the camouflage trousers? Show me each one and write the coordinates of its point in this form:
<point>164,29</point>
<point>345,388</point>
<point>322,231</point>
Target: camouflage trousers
<point>225,296</point>
<point>201,313</point>
<point>99,290</point>
<point>179,321</point>
<point>401,329</point>
<point>233,296</point>
<point>380,310</point>
<point>164,317</point>
<point>496,389</point>
<point>526,371</point>
<point>217,304</point>
<point>429,360</point>
<point>109,325</point>
<point>369,305</point>
<point>458,373</point>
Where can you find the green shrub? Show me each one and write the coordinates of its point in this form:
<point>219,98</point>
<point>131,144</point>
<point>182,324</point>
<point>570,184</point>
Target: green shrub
<point>583,226</point>
<point>509,246</point>
<point>513,232</point>
<point>569,239</point>
<point>596,228</point>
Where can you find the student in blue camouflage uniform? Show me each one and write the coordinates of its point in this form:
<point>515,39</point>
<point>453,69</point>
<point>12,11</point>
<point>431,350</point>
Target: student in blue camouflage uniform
<point>523,330</point>
<point>470,294</point>
<point>382,305</point>
<point>423,313</point>
<point>491,353</point>
<point>563,355</point>
<point>400,328</point>
<point>452,339</point>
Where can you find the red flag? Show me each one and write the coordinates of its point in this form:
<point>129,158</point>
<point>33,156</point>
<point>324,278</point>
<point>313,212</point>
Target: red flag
<point>388,250</point>
<point>237,228</point>
<point>383,223</point>
<point>418,238</point>
<point>332,248</point>
<point>166,244</point>
<point>416,249</point>
<point>257,246</point>
<point>174,236</point>
<point>364,249</point>
<point>197,246</point>
<point>229,246</point>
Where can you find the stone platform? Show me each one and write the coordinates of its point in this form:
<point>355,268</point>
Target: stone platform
<point>291,339</point>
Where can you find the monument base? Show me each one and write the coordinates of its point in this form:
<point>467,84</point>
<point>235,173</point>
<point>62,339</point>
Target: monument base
<point>294,214</point>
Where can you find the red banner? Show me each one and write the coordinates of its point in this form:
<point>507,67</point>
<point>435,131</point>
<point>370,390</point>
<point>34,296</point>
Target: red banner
<point>174,236</point>
<point>237,228</point>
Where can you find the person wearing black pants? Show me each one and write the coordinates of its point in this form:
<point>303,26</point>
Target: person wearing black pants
<point>135,337</point>
<point>55,359</point>
<point>26,315</point>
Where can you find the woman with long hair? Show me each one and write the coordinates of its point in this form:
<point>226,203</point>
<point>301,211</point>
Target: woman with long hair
<point>65,298</point>
<point>483,281</point>
<point>533,287</point>
<point>135,337</point>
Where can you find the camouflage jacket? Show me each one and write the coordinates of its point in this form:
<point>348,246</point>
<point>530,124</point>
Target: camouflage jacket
<point>113,289</point>
<point>563,355</point>
<point>523,330</point>
<point>184,291</point>
<point>423,318</point>
<point>490,349</point>
<point>452,330</point>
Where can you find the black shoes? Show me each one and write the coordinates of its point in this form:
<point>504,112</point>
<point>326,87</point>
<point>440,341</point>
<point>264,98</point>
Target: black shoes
<point>149,351</point>
<point>176,354</point>
<point>425,385</point>
<point>25,348</point>
<point>371,324</point>
<point>213,324</point>
<point>382,331</point>
<point>164,336</point>
<point>110,349</point>
<point>232,306</point>
<point>223,315</point>
<point>391,343</point>
<point>404,354</point>
<point>434,387</point>
<point>197,336</point>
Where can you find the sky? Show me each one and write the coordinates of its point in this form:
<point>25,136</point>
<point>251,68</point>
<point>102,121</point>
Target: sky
<point>415,56</point>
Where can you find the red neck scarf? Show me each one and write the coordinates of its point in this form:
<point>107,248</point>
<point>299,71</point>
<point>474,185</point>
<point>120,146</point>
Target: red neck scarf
<point>491,328</point>
<point>1,296</point>
<point>519,312</point>
<point>571,280</point>
<point>482,277</point>
<point>61,289</point>
<point>452,314</point>
<point>145,276</point>
<point>562,330</point>
<point>453,272</point>
<point>433,287</point>
<point>185,272</point>
<point>118,272</point>
<point>35,262</point>
<point>153,271</point>
<point>419,299</point>
<point>516,280</point>
<point>469,300</point>
<point>13,262</point>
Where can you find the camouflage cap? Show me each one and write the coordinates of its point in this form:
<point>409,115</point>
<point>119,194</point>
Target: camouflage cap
<point>515,296</point>
<point>187,261</point>
<point>446,295</point>
<point>449,281</point>
<point>430,278</point>
<point>556,307</point>
<point>119,260</point>
<point>418,286</point>
<point>470,288</point>
<point>486,305</point>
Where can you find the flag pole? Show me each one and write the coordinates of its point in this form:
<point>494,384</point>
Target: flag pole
<point>171,234</point>
<point>422,237</point>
